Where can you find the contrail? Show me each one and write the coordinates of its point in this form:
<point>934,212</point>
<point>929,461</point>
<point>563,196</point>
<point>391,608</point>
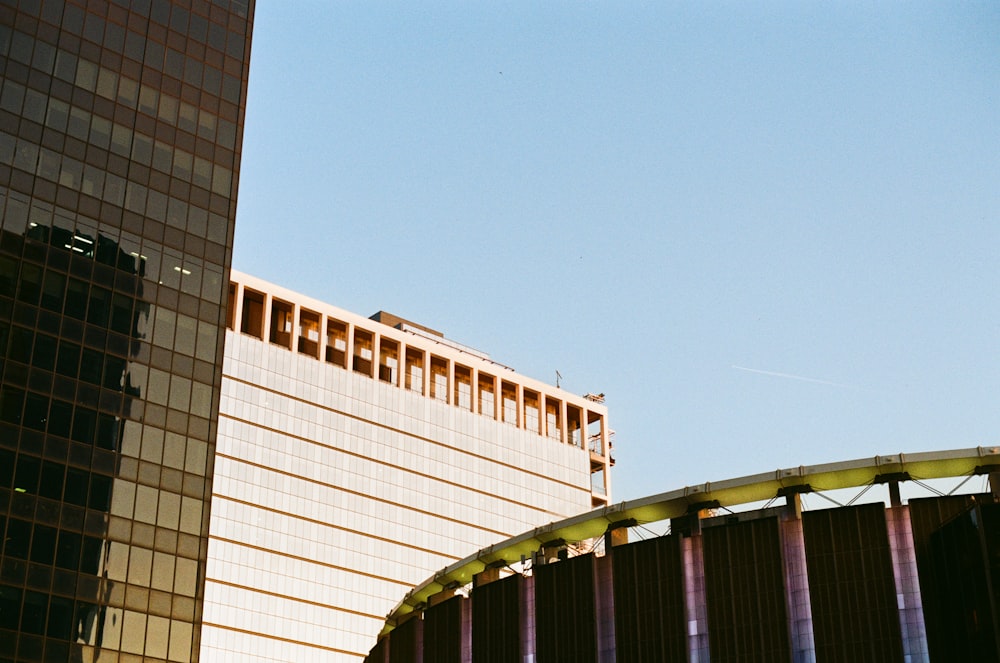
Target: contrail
<point>801,378</point>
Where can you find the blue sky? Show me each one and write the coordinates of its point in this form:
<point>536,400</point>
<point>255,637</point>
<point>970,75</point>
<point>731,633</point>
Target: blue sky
<point>687,206</point>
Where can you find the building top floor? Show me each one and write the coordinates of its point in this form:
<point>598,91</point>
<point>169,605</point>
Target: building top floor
<point>419,359</point>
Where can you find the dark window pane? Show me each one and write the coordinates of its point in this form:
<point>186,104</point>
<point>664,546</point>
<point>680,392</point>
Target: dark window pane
<point>114,370</point>
<point>91,559</point>
<point>36,411</point>
<point>33,613</point>
<point>68,552</point>
<point>8,276</point>
<point>6,470</point>
<point>91,366</point>
<point>44,354</point>
<point>107,432</point>
<point>31,284</point>
<point>76,487</point>
<point>68,361</point>
<point>43,544</point>
<point>51,485</point>
<point>18,536</point>
<point>60,624</point>
<point>76,299</point>
<point>60,416</point>
<point>10,608</point>
<point>84,422</point>
<point>100,492</point>
<point>100,306</point>
<point>11,401</point>
<point>134,45</point>
<point>121,314</point>
<point>52,291</point>
<point>26,477</point>
<point>20,344</point>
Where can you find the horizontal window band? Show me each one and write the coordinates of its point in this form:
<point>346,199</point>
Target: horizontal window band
<point>336,527</point>
<point>335,567</point>
<point>288,640</point>
<point>381,500</point>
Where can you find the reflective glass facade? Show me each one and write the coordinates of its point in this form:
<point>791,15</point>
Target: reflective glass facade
<point>340,482</point>
<point>120,130</point>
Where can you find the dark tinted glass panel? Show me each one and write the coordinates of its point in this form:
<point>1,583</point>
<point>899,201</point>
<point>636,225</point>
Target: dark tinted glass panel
<point>964,551</point>
<point>932,541</point>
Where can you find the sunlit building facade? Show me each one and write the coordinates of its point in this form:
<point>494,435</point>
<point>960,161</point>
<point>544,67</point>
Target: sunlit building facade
<point>120,130</point>
<point>355,456</point>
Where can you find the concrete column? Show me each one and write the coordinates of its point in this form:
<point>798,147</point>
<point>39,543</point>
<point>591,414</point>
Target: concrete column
<point>427,373</point>
<point>322,341</point>
<point>615,537</point>
<point>695,604</point>
<point>793,502</point>
<point>604,597</point>
<point>800,625</point>
<point>605,445</point>
<point>528,623</point>
<point>904,567</point>
<point>349,350</point>
<point>401,366</point>
<point>451,383</point>
<point>894,497</point>
<point>563,422</point>
<point>497,399</point>
<point>466,631</point>
<point>519,397</point>
<point>995,485</point>
<point>238,308</point>
<point>474,389</point>
<point>266,315</point>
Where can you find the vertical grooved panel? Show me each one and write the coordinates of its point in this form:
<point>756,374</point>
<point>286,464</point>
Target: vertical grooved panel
<point>564,611</point>
<point>496,611</point>
<point>745,592</point>
<point>649,601</point>
<point>443,632</point>
<point>851,585</point>
<point>404,641</point>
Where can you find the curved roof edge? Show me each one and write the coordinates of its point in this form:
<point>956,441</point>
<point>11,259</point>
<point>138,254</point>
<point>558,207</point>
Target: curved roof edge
<point>729,492</point>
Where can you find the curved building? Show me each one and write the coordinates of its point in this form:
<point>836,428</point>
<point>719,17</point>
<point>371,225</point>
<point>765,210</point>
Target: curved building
<point>743,574</point>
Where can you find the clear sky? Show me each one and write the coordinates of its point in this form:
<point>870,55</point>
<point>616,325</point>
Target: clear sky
<point>768,231</point>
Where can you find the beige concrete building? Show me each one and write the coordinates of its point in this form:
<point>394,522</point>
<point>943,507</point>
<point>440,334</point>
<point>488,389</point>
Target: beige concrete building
<point>356,456</point>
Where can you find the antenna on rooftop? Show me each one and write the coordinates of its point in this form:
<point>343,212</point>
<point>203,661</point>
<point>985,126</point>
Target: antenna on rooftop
<point>558,378</point>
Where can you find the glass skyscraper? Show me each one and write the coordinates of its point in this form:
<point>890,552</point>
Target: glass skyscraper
<point>120,131</point>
